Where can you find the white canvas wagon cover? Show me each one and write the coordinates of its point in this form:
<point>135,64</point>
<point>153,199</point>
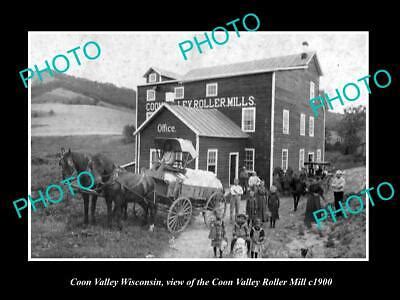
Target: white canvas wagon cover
<point>192,177</point>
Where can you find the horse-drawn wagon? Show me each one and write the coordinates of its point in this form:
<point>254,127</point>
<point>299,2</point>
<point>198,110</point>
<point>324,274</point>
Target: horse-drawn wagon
<point>169,185</point>
<point>181,191</point>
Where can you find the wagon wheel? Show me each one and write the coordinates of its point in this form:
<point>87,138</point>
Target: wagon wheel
<point>216,201</point>
<point>179,215</point>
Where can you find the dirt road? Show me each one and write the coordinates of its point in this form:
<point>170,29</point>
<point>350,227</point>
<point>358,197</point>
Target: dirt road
<point>344,239</point>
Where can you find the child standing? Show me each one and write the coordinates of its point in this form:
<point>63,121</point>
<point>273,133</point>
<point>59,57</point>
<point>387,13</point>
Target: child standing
<point>273,205</point>
<point>251,208</point>
<point>257,235</point>
<point>217,234</point>
<point>241,230</point>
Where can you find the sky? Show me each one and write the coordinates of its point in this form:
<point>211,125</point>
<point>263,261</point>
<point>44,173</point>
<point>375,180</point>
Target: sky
<point>126,56</point>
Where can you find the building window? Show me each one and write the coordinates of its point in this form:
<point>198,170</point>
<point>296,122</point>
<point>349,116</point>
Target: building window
<point>249,159</point>
<point>312,90</point>
<point>152,77</point>
<point>148,114</point>
<point>154,154</point>
<point>169,97</point>
<point>318,155</point>
<point>285,121</point>
<point>179,92</point>
<point>311,156</point>
<point>302,124</point>
<point>311,127</point>
<point>212,160</point>
<point>249,119</point>
<point>301,159</point>
<point>151,95</point>
<point>211,89</point>
<point>285,158</point>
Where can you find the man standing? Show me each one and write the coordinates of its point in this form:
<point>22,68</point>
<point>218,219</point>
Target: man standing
<point>254,181</point>
<point>236,194</point>
<point>338,184</point>
<point>244,179</point>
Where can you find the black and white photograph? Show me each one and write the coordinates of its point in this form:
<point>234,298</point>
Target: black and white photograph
<point>175,146</point>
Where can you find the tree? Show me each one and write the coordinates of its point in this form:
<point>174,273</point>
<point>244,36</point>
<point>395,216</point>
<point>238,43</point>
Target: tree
<point>352,127</point>
<point>127,132</point>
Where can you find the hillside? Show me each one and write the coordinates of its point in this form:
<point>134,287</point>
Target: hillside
<point>55,119</point>
<point>332,120</point>
<point>73,90</point>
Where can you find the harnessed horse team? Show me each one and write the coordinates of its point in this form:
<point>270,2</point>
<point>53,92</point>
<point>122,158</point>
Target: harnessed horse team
<point>118,186</point>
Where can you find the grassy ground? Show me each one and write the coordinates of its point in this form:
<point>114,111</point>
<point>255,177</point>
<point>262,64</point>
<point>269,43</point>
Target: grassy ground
<point>58,230</point>
<point>341,161</point>
<point>71,119</point>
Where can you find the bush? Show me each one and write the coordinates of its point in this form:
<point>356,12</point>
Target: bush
<point>51,112</point>
<point>127,132</point>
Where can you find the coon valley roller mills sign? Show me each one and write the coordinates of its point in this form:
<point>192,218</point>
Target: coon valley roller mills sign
<point>222,102</point>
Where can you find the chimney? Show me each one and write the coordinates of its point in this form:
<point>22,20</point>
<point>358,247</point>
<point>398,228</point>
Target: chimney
<point>305,48</point>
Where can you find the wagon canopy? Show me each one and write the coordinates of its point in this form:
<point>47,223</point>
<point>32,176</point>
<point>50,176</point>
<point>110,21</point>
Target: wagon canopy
<point>177,144</point>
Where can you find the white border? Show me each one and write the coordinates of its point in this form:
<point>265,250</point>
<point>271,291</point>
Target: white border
<point>366,259</point>
<point>271,158</point>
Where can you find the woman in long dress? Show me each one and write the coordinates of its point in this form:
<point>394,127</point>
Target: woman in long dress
<point>261,203</point>
<point>315,192</point>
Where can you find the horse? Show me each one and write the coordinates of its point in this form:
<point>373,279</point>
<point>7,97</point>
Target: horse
<point>298,188</point>
<point>73,163</point>
<point>121,187</point>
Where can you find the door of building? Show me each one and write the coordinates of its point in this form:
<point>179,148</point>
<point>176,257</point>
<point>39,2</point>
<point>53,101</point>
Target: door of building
<point>233,166</point>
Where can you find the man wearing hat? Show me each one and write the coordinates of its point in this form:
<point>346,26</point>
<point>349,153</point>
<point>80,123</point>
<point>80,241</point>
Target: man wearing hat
<point>338,184</point>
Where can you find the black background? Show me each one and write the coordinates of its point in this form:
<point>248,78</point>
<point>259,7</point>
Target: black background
<point>354,277</point>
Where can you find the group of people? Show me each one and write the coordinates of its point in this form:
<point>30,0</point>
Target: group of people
<point>253,235</point>
<point>316,192</point>
<point>248,225</point>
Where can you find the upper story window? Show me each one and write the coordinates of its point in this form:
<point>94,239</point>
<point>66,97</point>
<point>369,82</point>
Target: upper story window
<point>249,119</point>
<point>212,89</point>
<point>179,92</point>
<point>169,96</point>
<point>302,124</point>
<point>286,121</point>
<point>312,89</point>
<point>151,95</point>
<point>311,127</point>
<point>152,77</point>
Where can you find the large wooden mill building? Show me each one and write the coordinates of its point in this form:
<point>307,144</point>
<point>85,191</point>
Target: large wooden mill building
<point>254,114</point>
